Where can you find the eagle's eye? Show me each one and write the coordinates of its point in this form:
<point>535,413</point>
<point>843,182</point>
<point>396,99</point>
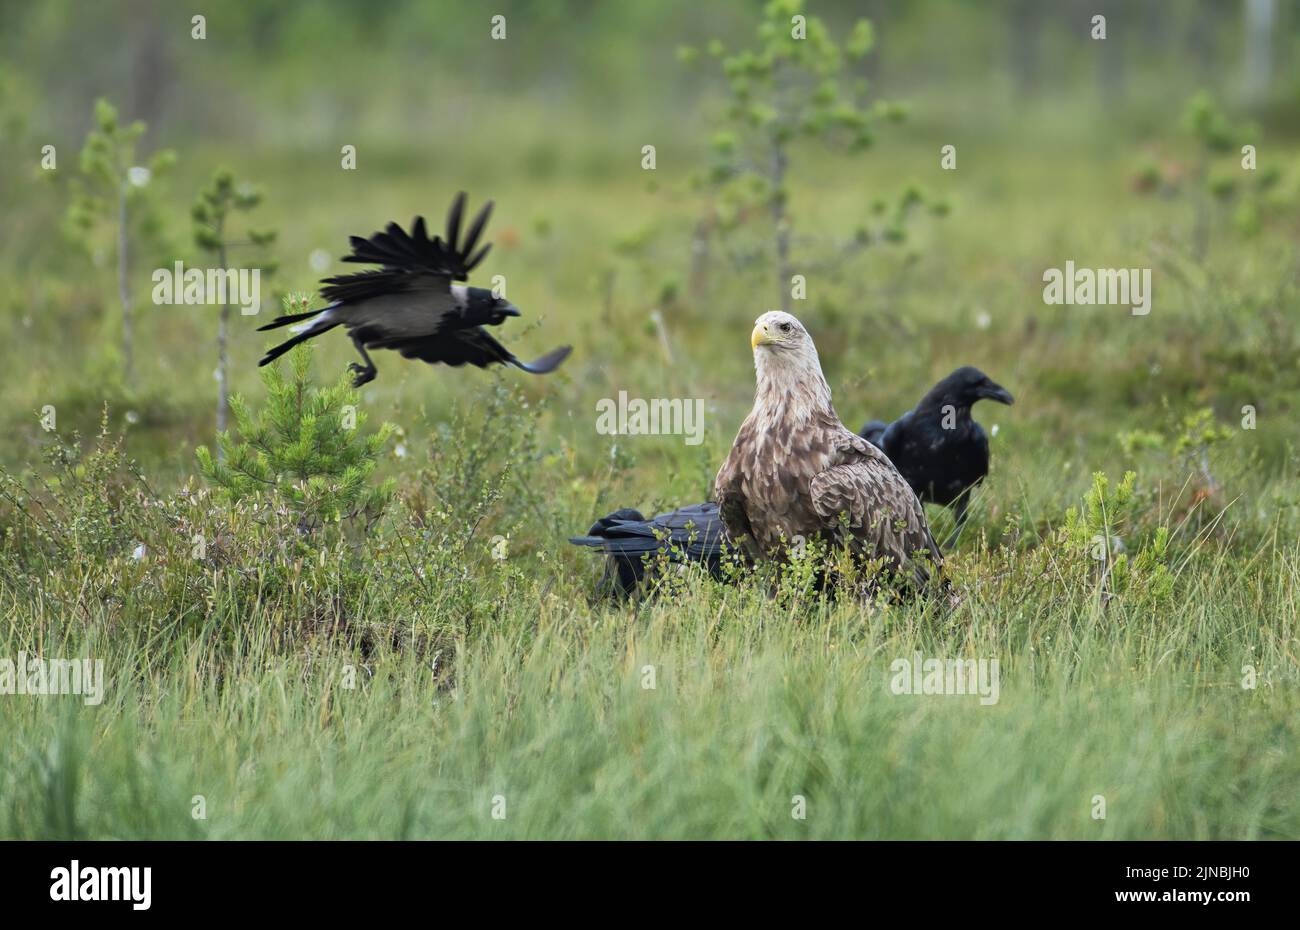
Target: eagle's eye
<point>785,327</point>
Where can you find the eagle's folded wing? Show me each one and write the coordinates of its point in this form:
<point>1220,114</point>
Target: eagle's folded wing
<point>731,509</point>
<point>885,518</point>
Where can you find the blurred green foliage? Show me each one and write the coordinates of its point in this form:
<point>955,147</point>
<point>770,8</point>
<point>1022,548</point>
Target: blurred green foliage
<point>211,208</point>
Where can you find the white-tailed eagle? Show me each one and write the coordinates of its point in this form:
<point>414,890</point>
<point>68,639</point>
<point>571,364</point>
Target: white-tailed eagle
<point>796,471</point>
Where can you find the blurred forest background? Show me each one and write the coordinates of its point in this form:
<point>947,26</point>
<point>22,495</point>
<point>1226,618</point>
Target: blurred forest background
<point>1067,147</point>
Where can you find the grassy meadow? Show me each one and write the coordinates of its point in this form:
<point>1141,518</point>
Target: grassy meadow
<point>402,680</point>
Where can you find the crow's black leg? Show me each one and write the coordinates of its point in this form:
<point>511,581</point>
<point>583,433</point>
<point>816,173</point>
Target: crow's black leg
<point>364,373</point>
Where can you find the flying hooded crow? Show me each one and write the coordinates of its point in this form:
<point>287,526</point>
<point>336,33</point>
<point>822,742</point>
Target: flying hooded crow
<point>689,534</point>
<point>937,447</point>
<point>410,303</point>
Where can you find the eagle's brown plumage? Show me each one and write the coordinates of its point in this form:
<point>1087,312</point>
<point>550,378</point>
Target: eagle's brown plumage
<point>794,468</point>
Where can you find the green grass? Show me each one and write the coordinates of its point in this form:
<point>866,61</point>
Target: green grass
<point>477,678</point>
<point>752,706</point>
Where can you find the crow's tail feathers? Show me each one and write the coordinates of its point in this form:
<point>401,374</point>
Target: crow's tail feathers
<point>547,363</point>
<point>293,318</point>
<point>623,567</point>
<point>688,535</point>
<point>322,324</point>
<point>691,534</point>
<point>274,353</point>
<point>599,534</point>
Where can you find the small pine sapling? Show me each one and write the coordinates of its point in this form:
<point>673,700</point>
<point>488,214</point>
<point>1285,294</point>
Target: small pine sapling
<point>1109,514</point>
<point>305,452</point>
<point>115,194</point>
<point>790,86</point>
<point>210,213</point>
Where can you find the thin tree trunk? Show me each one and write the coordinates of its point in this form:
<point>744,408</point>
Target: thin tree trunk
<point>1024,28</point>
<point>1111,75</point>
<point>1261,16</point>
<point>1201,207</point>
<point>699,256</point>
<point>608,302</point>
<point>223,394</point>
<point>124,289</point>
<point>1200,36</point>
<point>782,224</point>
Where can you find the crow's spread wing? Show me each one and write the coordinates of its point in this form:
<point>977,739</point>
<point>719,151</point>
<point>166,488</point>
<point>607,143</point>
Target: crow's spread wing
<point>475,346</point>
<point>366,285</point>
<point>413,260</point>
<point>455,348</point>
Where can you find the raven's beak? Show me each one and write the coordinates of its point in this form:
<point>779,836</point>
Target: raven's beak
<point>997,392</point>
<point>510,310</point>
<point>759,337</point>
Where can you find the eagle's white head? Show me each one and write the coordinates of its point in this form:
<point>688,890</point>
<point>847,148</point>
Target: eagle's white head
<point>779,330</point>
<point>786,360</point>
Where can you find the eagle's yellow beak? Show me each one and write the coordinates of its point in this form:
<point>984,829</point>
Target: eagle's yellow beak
<point>759,336</point>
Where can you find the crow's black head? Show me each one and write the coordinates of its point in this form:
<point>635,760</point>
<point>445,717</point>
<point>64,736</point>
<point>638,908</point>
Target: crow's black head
<point>482,307</point>
<point>965,386</point>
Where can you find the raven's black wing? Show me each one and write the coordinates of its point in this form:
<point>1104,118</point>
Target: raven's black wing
<point>411,260</point>
<point>689,534</point>
<point>696,530</point>
<point>895,437</point>
<point>873,431</point>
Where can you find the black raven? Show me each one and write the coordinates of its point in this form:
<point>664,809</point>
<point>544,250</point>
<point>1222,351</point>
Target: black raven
<point>690,534</point>
<point>410,304</point>
<point>937,447</point>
